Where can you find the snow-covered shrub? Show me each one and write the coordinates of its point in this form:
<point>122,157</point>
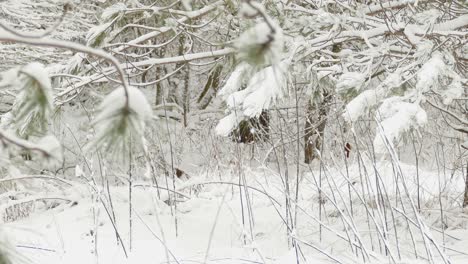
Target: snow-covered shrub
<point>397,115</point>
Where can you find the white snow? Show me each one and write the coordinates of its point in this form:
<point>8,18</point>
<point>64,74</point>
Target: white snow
<point>34,100</point>
<point>38,72</point>
<point>228,123</point>
<point>454,90</point>
<point>234,82</point>
<point>9,77</point>
<point>116,101</point>
<point>232,203</point>
<point>123,114</point>
<point>430,72</point>
<point>210,225</point>
<point>75,62</point>
<point>248,10</point>
<point>96,32</point>
<point>111,11</point>
<point>258,36</point>
<point>187,4</point>
<point>359,105</point>
<point>396,118</point>
<point>52,146</point>
<point>350,80</point>
<point>265,87</point>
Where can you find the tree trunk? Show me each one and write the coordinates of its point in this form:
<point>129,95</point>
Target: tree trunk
<point>316,120</point>
<point>252,130</point>
<point>316,116</point>
<point>211,87</point>
<point>465,200</point>
<point>159,86</point>
<point>186,95</point>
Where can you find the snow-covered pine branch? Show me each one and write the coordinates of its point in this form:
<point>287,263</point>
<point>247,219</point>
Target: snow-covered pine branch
<point>120,124</point>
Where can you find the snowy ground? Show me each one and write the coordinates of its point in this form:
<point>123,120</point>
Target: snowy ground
<point>210,228</point>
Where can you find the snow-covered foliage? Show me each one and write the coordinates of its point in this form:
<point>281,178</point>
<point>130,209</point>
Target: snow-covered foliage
<point>113,11</point>
<point>265,87</point>
<point>262,73</point>
<point>229,123</point>
<point>235,80</point>
<point>96,36</point>
<point>261,44</point>
<point>345,93</point>
<point>396,117</point>
<point>428,76</point>
<point>361,104</point>
<point>121,121</point>
<point>31,110</point>
<point>350,80</point>
<point>75,63</point>
<point>437,75</point>
<point>262,90</point>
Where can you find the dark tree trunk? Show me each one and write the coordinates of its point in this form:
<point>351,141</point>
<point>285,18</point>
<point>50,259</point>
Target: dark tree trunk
<point>253,130</point>
<point>316,120</point>
<point>211,87</point>
<point>186,95</point>
<point>316,116</point>
<point>465,199</point>
<point>159,86</point>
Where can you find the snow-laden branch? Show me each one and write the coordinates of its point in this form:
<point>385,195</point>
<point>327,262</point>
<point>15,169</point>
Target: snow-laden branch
<point>329,39</point>
<point>7,36</point>
<point>182,58</point>
<point>162,30</point>
<point>450,113</point>
<point>383,5</point>
<point>8,138</point>
<point>102,76</point>
<point>51,29</point>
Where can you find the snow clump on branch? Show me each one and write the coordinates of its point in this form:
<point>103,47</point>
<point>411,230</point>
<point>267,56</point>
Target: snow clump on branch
<point>121,122</point>
<point>32,107</point>
<point>261,91</point>
<point>261,45</point>
<point>397,117</point>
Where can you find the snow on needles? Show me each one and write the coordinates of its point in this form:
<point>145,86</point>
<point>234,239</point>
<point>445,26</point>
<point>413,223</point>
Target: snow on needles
<point>116,101</point>
<point>267,85</point>
<point>117,123</point>
<point>111,12</point>
<point>228,123</point>
<point>429,73</point>
<point>38,72</point>
<point>234,82</point>
<point>397,117</point>
<point>350,80</point>
<point>359,105</point>
<point>262,44</point>
<point>33,104</point>
<point>435,69</point>
<point>262,89</point>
